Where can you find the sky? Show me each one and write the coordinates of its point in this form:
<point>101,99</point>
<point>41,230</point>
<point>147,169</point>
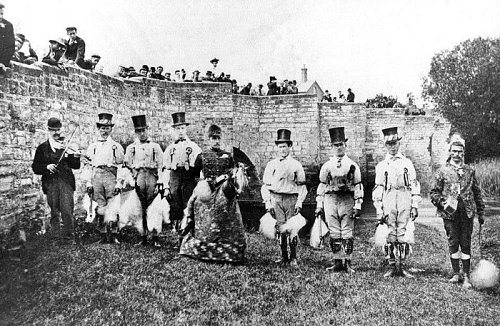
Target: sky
<point>369,46</point>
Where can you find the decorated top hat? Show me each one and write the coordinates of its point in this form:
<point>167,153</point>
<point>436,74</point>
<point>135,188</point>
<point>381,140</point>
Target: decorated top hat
<point>139,122</point>
<point>105,120</point>
<point>391,135</point>
<point>54,124</point>
<point>214,60</point>
<point>214,131</point>
<point>179,119</point>
<point>337,135</point>
<point>283,137</point>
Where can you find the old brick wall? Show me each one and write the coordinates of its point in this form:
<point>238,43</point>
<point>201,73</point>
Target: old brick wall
<point>29,95</point>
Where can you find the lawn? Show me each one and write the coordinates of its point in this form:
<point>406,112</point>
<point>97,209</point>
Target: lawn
<point>97,284</point>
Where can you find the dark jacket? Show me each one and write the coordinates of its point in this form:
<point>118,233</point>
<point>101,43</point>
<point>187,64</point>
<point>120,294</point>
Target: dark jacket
<point>446,183</point>
<point>350,97</point>
<point>87,65</point>
<point>45,156</point>
<point>75,51</point>
<point>7,42</point>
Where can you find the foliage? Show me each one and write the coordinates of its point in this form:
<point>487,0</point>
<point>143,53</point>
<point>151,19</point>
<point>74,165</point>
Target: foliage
<point>464,83</point>
<point>488,176</point>
<point>382,101</point>
<point>50,284</point>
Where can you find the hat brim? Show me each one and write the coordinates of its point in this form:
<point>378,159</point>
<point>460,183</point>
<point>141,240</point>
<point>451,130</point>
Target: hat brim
<point>340,141</point>
<point>393,140</point>
<point>104,124</point>
<point>180,124</point>
<point>54,128</point>
<point>283,141</point>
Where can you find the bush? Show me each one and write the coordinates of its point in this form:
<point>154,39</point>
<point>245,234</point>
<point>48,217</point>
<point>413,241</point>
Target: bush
<point>488,176</point>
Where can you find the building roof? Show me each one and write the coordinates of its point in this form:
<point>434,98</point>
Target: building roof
<point>305,87</point>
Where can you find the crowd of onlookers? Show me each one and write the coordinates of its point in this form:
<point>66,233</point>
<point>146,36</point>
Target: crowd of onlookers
<point>61,52</point>
<point>327,97</point>
<point>71,52</point>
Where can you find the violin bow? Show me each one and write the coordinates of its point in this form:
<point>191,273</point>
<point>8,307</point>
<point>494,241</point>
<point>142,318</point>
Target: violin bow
<point>67,145</point>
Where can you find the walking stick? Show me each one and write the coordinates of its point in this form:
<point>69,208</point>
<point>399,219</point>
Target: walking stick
<point>480,242</point>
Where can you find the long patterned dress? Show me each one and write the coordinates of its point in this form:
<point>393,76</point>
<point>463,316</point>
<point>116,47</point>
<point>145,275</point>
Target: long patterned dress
<point>219,232</point>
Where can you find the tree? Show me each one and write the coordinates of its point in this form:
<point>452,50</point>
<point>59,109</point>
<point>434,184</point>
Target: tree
<point>464,83</point>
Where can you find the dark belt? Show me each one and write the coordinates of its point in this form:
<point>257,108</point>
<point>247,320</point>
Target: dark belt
<point>341,192</point>
<point>107,168</point>
<point>151,170</point>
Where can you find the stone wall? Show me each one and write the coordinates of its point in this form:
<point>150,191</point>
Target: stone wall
<point>29,95</point>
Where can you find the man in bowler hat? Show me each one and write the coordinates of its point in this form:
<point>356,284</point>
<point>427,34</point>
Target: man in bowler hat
<point>396,196</point>
<point>339,198</point>
<point>180,169</point>
<point>104,158</point>
<point>283,192</point>
<point>144,158</point>
<point>55,164</point>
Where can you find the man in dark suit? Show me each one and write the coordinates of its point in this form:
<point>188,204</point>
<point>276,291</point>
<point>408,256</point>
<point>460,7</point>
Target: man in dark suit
<point>55,166</point>
<point>90,64</point>
<point>7,41</point>
<point>75,47</point>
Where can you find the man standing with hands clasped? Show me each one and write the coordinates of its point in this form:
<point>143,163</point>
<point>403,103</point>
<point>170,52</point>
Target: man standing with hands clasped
<point>456,194</point>
<point>283,192</point>
<point>339,197</point>
<point>396,197</point>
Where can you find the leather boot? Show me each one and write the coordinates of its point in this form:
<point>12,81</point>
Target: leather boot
<point>284,249</point>
<point>293,252</point>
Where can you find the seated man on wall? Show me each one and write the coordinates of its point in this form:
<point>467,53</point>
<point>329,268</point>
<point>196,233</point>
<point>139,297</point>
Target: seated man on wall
<point>56,51</point>
<point>23,51</point>
<point>90,64</point>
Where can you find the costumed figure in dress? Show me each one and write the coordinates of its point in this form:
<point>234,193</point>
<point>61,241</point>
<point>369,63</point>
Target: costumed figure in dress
<point>215,230</point>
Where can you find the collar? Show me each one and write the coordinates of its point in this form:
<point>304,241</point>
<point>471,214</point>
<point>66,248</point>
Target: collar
<point>182,140</point>
<point>455,166</point>
<point>137,141</point>
<point>100,139</point>
<point>55,145</point>
<point>287,158</point>
<point>389,157</point>
<point>337,159</point>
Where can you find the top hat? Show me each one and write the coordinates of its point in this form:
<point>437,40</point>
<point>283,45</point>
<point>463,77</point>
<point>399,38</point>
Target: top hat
<point>179,118</point>
<point>214,131</point>
<point>283,136</point>
<point>104,120</point>
<point>391,134</point>
<point>337,135</point>
<point>214,60</point>
<point>139,122</point>
<point>54,124</point>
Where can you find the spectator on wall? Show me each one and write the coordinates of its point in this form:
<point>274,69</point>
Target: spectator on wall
<point>90,64</point>
<point>7,41</point>
<point>327,97</point>
<point>24,53</point>
<point>167,76</point>
<point>272,86</point>
<point>350,95</point>
<point>75,47</point>
<point>132,72</point>
<point>234,89</point>
<point>246,90</point>
<point>143,72</point>
<point>196,76</point>
<point>341,98</point>
<point>159,73</point>
<point>57,47</point>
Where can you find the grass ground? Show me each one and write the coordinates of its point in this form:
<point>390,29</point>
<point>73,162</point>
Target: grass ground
<point>50,284</point>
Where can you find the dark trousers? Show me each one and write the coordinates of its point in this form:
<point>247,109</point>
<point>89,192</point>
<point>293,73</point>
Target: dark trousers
<point>145,186</point>
<point>459,230</point>
<point>181,185</point>
<point>60,199</point>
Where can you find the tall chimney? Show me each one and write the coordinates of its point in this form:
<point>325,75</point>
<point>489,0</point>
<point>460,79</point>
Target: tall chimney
<point>304,74</point>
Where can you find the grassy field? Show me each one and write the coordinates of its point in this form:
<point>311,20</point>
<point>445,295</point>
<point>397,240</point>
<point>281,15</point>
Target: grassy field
<point>50,284</point>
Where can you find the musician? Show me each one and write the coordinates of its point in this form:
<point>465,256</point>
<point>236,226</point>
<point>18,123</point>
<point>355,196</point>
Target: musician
<point>54,162</point>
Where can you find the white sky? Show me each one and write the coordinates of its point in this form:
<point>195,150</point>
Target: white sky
<point>370,46</point>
